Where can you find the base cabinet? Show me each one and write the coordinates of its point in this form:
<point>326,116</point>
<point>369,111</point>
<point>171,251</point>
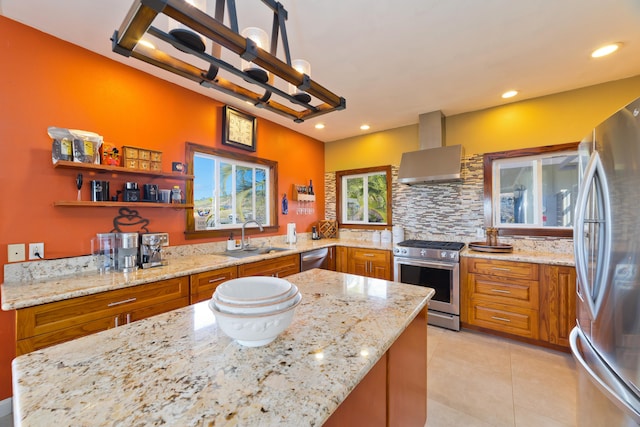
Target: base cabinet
<point>532,301</point>
<point>374,263</point>
<point>394,392</point>
<point>53,323</point>
<point>204,284</point>
<point>558,303</point>
<point>277,267</point>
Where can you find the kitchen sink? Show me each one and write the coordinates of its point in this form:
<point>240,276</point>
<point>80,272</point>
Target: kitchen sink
<point>253,251</point>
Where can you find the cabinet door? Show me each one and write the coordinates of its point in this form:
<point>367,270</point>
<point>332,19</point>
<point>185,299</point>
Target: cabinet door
<point>331,263</point>
<point>557,303</point>
<point>276,267</point>
<point>369,262</point>
<point>204,284</point>
<point>341,259</point>
<point>61,321</point>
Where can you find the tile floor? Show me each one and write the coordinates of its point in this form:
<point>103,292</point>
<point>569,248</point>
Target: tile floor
<point>478,380</point>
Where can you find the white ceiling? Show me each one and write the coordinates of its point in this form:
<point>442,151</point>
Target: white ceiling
<point>394,60</point>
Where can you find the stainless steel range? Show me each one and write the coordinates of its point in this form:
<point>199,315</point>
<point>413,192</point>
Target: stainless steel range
<point>436,265</point>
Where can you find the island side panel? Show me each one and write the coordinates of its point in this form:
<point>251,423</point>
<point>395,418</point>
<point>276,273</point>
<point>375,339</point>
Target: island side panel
<point>407,375</point>
<point>366,405</point>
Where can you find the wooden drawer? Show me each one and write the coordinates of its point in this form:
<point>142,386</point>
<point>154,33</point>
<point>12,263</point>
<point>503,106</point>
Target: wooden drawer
<point>204,284</point>
<point>522,293</point>
<point>57,316</point>
<point>516,270</point>
<point>277,267</point>
<point>374,255</point>
<point>504,318</point>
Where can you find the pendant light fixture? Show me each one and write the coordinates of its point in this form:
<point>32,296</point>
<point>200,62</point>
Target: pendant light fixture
<point>260,71</point>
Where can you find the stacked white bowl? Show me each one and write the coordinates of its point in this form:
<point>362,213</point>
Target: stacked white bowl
<point>254,310</point>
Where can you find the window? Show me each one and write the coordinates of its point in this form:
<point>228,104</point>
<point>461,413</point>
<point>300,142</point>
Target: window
<point>364,197</point>
<point>532,191</point>
<point>229,189</point>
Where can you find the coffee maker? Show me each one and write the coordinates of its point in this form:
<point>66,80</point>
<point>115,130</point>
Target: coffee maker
<point>127,252</point>
<point>151,245</point>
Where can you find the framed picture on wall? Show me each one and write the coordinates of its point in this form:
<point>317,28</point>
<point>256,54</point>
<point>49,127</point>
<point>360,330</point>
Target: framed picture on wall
<point>238,129</point>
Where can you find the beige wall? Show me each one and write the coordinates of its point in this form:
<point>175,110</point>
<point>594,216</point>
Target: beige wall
<point>548,120</point>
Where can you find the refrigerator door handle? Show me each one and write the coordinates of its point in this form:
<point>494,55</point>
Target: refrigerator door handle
<point>604,379</point>
<point>592,293</point>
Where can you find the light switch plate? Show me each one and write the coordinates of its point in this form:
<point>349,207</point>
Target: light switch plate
<point>15,252</point>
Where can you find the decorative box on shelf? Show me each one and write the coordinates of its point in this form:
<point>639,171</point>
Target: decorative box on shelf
<point>142,159</point>
<point>300,193</point>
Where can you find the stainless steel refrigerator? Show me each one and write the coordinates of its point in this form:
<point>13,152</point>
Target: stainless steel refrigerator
<point>606,341</point>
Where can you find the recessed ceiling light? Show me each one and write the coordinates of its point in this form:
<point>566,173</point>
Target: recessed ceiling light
<point>510,94</point>
<point>605,50</point>
<point>147,43</point>
<point>319,125</point>
<point>365,127</point>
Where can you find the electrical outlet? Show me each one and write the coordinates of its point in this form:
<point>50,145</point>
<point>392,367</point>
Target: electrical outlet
<point>36,251</point>
<point>479,232</point>
<point>15,252</point>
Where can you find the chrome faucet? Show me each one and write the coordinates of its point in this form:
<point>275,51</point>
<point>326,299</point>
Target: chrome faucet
<point>242,245</point>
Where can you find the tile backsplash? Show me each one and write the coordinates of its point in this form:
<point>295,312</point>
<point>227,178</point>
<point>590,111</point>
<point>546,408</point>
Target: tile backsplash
<point>445,211</point>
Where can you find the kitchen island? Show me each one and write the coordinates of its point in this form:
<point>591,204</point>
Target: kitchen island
<point>178,368</point>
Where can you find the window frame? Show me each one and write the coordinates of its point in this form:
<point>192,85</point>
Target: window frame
<point>339,192</point>
<point>488,160</point>
<point>272,211</point>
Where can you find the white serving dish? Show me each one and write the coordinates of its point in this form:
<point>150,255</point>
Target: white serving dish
<point>287,301</point>
<point>253,290</point>
<point>257,329</point>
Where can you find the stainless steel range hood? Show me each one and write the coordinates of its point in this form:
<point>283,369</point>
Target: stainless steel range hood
<point>435,162</point>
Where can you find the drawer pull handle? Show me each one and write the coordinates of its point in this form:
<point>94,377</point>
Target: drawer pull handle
<point>500,291</point>
<point>504,319</point>
<point>113,304</point>
<point>501,268</point>
<point>217,279</point>
<point>369,255</point>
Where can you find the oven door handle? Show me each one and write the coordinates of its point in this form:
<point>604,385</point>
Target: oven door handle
<point>433,264</point>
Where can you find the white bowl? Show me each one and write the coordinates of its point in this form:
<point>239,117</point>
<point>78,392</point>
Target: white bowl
<point>267,307</point>
<point>253,290</point>
<point>255,330</point>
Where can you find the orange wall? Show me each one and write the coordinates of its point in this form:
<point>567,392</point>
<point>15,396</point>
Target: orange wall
<point>47,82</point>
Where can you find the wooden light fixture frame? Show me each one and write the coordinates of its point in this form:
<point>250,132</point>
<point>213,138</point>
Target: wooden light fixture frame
<point>142,13</point>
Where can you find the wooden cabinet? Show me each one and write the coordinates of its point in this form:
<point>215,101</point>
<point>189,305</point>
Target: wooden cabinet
<point>394,392</point>
<point>331,263</point>
<point>277,267</point>
<point>534,301</point>
<point>374,263</point>
<point>503,296</point>
<point>557,303</point>
<point>48,324</point>
<point>204,284</point>
<point>341,259</point>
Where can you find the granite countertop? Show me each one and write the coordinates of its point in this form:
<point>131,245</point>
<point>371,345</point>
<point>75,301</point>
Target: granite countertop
<point>27,293</point>
<point>524,256</point>
<point>178,368</point>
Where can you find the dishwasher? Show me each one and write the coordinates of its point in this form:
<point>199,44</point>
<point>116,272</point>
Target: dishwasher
<point>317,258</point>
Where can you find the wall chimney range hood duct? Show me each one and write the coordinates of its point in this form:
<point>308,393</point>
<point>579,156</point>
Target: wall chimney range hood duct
<point>435,162</point>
